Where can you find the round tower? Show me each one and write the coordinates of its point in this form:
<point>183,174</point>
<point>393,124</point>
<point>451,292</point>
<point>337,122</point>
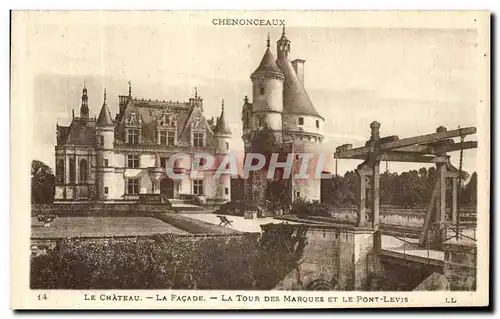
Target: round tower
<point>267,91</point>
<point>223,138</point>
<point>105,138</point>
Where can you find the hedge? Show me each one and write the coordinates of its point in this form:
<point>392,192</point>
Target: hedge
<point>304,209</point>
<point>172,262</point>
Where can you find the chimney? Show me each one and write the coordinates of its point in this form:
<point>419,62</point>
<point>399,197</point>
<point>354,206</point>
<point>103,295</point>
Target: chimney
<point>298,66</point>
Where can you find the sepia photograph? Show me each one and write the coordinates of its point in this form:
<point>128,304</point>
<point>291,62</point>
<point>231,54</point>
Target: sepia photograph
<point>261,159</point>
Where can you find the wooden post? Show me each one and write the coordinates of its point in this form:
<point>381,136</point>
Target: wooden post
<point>442,184</point>
<point>375,165</point>
<point>441,202</point>
<point>377,239</point>
<point>454,200</point>
<point>428,217</point>
<point>361,198</point>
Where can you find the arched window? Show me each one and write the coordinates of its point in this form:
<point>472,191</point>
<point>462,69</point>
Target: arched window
<point>60,171</point>
<point>84,171</point>
<point>72,170</point>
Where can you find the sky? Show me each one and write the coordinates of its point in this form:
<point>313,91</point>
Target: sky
<point>411,80</point>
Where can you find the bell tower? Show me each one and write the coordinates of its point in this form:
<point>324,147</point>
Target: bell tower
<point>84,108</point>
<point>283,46</point>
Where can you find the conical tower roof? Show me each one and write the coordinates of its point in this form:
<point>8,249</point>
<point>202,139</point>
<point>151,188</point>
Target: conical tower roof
<point>268,64</point>
<point>104,118</point>
<point>222,127</point>
<point>295,98</point>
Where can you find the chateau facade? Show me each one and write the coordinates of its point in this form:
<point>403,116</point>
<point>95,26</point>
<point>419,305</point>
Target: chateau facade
<point>281,105</point>
<point>119,159</point>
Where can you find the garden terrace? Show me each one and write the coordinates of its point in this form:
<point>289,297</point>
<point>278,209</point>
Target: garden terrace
<point>102,227</point>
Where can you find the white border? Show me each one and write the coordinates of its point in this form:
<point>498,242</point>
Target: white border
<point>257,4</point>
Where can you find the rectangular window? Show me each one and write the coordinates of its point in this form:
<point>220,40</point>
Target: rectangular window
<point>198,187</point>
<point>133,161</point>
<point>261,122</point>
<point>226,191</point>
<point>262,89</point>
<point>106,163</point>
<point>163,137</point>
<point>133,136</point>
<point>163,162</point>
<point>297,194</point>
<point>301,121</point>
<point>170,138</point>
<point>60,171</point>
<point>106,190</point>
<point>72,171</point>
<point>132,186</point>
<point>100,140</point>
<point>317,123</point>
<point>198,139</point>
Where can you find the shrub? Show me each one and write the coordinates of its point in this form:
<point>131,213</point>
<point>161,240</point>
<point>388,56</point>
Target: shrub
<point>172,262</point>
<point>166,262</point>
<point>304,209</point>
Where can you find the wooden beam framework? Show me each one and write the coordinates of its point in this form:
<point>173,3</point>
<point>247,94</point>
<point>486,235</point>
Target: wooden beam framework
<point>429,148</point>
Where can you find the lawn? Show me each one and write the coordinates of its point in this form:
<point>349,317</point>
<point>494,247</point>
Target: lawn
<point>102,227</point>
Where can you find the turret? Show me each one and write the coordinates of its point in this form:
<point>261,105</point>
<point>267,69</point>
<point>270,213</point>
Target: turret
<point>105,138</point>
<point>84,108</point>
<point>223,137</point>
<point>267,82</point>
<point>222,133</point>
<point>283,46</point>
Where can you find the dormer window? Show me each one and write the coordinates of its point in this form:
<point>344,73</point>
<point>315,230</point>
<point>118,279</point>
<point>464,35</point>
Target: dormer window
<point>170,138</point>
<point>301,121</point>
<point>133,136</point>
<point>167,137</point>
<point>133,128</point>
<point>198,139</point>
<point>167,129</point>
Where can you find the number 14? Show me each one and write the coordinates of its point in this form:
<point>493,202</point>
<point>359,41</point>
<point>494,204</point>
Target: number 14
<point>42,297</point>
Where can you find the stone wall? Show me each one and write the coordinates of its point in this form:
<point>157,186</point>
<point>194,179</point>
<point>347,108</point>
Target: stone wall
<point>387,274</point>
<point>335,258</point>
<point>460,265</point>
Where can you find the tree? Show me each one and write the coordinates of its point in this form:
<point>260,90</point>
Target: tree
<point>468,195</point>
<point>42,183</point>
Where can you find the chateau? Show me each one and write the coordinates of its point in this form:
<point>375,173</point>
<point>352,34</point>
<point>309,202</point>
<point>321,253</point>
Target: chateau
<point>282,106</point>
<point>120,159</point>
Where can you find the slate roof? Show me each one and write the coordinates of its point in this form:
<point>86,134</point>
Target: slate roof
<point>295,98</point>
<point>79,132</point>
<point>222,126</point>
<point>105,116</point>
<point>268,64</point>
<point>150,111</point>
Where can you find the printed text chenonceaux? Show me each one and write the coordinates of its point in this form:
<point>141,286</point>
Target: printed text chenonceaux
<point>249,22</point>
